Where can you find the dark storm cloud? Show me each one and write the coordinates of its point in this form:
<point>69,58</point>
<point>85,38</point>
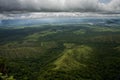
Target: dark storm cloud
<point>9,5</point>
<point>60,5</point>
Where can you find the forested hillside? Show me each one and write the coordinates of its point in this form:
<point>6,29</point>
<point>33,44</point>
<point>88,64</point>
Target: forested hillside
<point>60,52</point>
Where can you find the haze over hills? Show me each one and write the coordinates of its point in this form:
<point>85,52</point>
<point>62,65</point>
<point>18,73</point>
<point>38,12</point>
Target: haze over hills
<point>36,18</point>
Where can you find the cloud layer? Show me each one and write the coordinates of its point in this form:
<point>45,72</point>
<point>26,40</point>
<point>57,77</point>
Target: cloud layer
<point>37,15</point>
<point>60,5</point>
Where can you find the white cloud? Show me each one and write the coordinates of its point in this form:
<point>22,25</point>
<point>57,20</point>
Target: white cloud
<point>66,5</point>
<point>35,15</point>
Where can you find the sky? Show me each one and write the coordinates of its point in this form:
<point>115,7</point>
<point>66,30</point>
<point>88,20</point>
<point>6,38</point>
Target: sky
<point>61,5</point>
<point>105,1</point>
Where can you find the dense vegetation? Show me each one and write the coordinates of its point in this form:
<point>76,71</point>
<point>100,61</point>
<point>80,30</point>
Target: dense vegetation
<point>60,52</point>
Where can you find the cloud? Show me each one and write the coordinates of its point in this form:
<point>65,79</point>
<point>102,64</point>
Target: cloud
<point>60,5</point>
<point>39,15</point>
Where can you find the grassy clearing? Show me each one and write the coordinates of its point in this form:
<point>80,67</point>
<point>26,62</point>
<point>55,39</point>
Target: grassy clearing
<point>105,29</point>
<point>36,36</point>
<point>81,31</point>
<point>69,45</point>
<point>33,37</point>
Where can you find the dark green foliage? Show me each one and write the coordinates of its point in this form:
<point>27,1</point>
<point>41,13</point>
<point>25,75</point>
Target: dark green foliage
<point>32,53</point>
